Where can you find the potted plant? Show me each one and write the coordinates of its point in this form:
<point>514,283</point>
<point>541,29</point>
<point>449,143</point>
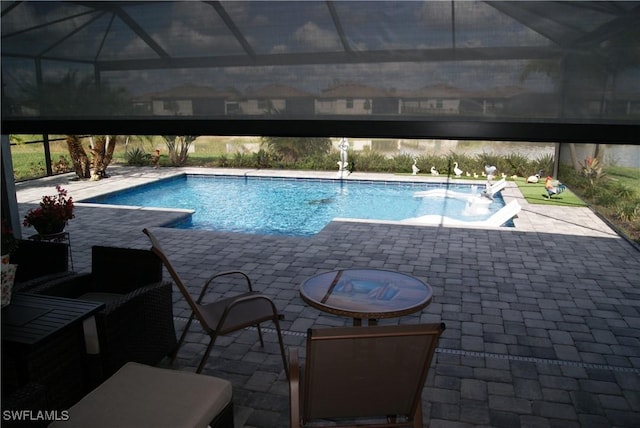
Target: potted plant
<point>53,213</point>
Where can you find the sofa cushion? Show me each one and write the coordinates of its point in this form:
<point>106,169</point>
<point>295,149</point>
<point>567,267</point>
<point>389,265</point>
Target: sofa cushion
<point>138,395</point>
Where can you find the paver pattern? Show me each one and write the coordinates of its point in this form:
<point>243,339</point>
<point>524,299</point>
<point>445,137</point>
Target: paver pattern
<point>543,321</point>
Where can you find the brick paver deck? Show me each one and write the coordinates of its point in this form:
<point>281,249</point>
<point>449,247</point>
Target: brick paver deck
<point>543,321</point>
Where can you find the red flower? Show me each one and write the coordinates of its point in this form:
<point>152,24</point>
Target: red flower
<point>54,210</point>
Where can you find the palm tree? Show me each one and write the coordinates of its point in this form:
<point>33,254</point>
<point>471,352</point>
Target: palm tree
<point>178,147</point>
<point>73,96</point>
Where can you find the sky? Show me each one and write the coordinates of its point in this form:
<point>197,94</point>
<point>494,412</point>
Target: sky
<point>196,29</point>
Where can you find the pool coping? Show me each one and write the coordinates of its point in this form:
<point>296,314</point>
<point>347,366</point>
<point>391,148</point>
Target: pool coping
<point>532,218</point>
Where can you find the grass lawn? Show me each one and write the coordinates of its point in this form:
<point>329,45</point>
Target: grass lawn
<point>535,194</point>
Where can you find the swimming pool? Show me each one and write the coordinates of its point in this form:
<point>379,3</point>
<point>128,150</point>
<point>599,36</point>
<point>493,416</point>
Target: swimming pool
<point>286,206</point>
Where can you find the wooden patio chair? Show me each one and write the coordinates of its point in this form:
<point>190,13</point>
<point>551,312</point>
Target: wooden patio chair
<point>225,315</point>
<point>362,376</point>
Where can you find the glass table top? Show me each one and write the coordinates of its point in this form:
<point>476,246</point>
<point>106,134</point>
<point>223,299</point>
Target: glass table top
<point>366,293</point>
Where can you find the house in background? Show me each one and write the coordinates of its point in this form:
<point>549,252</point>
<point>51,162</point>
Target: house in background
<point>186,100</point>
<point>492,102</point>
<point>438,99</point>
<point>272,100</point>
<point>355,99</point>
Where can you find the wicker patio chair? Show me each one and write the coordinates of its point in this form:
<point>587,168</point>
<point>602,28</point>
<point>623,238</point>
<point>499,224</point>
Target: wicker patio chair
<point>137,321</point>
<point>362,376</point>
<point>39,262</point>
<point>225,315</point>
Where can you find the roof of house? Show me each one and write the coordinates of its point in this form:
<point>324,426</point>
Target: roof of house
<point>354,90</point>
<point>189,91</point>
<point>277,91</point>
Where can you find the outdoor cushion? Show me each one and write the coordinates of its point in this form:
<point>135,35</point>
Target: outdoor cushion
<point>138,395</point>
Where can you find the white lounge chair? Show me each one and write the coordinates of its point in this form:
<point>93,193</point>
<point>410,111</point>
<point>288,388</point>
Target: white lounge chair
<point>494,188</point>
<point>442,193</point>
<point>447,193</point>
<point>497,219</point>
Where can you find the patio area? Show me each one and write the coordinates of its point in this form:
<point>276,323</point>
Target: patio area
<point>543,320</point>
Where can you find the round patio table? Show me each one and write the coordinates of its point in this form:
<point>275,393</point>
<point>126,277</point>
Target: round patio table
<point>369,294</point>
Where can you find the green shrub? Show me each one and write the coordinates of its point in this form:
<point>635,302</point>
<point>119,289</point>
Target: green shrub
<point>223,161</point>
<point>424,163</point>
<point>516,163</point>
<point>544,163</point>
<point>606,198</point>
<point>627,210</point>
<point>61,166</point>
<point>488,159</point>
<point>369,162</point>
<point>402,163</point>
<point>36,169</point>
<point>137,156</point>
<point>262,159</point>
<point>593,193</point>
<point>622,191</point>
<point>465,163</point>
<point>320,163</point>
<point>292,149</point>
<point>241,160</point>
<point>572,178</point>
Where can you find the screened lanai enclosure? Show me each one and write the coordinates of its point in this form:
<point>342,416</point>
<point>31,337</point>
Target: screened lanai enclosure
<point>552,71</point>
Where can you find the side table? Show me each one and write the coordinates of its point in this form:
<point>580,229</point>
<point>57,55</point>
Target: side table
<point>366,293</point>
<point>62,237</point>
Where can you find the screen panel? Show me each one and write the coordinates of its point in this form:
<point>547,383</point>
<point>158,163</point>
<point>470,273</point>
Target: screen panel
<point>401,61</point>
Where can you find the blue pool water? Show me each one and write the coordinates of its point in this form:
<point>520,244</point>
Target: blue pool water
<point>297,207</point>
